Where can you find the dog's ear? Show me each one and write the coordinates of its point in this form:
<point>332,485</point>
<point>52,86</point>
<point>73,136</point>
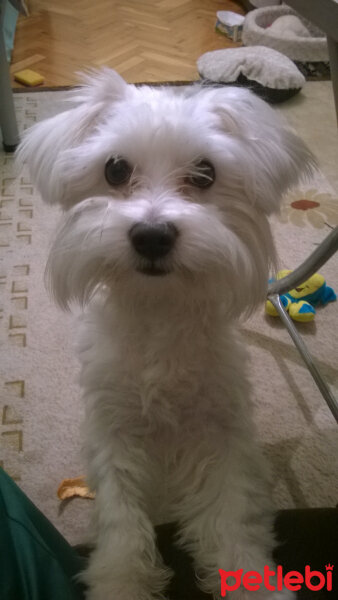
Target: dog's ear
<point>44,144</point>
<point>272,157</point>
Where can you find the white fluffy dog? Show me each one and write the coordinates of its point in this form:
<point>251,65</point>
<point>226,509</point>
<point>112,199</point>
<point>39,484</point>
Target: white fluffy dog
<point>165,240</point>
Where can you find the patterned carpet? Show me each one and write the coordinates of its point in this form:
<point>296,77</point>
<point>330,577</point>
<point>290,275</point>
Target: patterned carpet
<point>40,406</point>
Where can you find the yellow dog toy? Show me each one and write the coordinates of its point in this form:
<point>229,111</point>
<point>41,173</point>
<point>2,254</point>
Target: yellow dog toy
<point>301,301</point>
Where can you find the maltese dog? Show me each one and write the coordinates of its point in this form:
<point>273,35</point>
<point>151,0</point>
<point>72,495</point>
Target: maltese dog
<point>165,242</point>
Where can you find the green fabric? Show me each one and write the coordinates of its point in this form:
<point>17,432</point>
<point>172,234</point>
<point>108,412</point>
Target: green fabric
<point>36,562</point>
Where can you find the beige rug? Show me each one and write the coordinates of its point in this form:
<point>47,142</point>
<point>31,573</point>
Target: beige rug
<point>40,407</point>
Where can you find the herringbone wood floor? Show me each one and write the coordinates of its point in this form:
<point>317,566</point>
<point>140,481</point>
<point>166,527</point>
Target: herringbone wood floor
<point>144,40</point>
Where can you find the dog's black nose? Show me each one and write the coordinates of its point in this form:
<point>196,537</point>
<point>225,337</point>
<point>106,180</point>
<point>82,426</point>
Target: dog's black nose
<point>153,241</point>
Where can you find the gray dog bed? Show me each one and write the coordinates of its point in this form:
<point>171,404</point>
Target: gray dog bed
<point>268,73</point>
<point>257,32</point>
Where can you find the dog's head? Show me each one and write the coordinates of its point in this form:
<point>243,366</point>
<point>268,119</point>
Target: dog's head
<point>166,191</point>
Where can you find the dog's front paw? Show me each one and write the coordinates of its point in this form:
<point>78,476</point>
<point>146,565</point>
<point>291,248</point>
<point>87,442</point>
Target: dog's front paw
<point>113,585</point>
<point>242,594</point>
<point>113,590</point>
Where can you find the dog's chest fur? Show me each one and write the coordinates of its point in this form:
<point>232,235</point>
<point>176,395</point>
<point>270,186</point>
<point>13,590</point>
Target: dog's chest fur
<point>169,368</point>
<point>171,381</point>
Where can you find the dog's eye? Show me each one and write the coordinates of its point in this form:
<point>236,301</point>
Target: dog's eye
<point>117,171</point>
<point>202,175</point>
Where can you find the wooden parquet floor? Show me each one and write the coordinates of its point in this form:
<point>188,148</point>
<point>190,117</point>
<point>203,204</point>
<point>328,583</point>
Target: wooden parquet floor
<point>144,40</point>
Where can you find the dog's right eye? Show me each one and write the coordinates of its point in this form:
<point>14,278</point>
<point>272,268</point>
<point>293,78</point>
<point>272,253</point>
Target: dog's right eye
<point>117,171</point>
<point>203,174</point>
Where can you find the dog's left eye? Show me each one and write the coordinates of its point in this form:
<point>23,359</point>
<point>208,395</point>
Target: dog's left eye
<point>117,171</point>
<point>203,174</point>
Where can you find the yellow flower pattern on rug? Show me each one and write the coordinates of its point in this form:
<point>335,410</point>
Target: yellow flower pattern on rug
<point>310,207</point>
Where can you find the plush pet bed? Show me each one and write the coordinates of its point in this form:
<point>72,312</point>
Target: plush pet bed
<point>305,43</point>
<point>268,73</point>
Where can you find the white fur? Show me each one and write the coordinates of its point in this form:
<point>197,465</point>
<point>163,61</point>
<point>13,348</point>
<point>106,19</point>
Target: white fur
<point>288,26</point>
<point>169,431</point>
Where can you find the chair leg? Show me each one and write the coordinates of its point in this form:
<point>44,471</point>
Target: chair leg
<point>318,258</point>
<point>8,124</point>
<point>305,354</point>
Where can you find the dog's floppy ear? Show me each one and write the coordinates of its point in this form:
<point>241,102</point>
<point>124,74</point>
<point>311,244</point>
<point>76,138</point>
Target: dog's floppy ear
<point>272,156</point>
<point>43,144</point>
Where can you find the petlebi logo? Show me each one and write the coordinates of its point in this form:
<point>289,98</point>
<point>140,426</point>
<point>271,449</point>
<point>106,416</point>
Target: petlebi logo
<point>292,580</point>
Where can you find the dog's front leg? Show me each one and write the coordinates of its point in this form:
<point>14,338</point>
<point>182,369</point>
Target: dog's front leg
<point>125,564</point>
<point>227,522</point>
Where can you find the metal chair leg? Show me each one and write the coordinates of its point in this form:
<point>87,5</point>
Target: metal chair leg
<point>319,257</point>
